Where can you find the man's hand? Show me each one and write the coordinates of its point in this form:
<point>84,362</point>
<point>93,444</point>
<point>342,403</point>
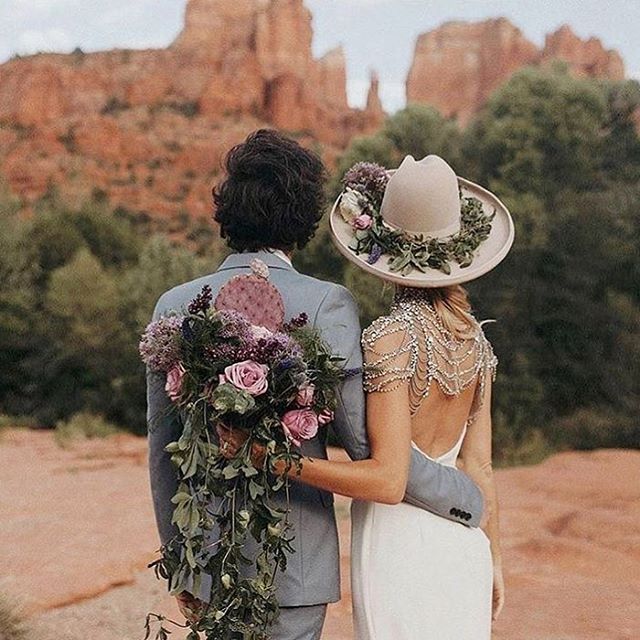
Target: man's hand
<point>232,440</point>
<point>190,607</point>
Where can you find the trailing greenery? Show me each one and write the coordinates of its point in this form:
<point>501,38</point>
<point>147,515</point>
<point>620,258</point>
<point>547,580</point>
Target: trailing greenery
<point>223,506</point>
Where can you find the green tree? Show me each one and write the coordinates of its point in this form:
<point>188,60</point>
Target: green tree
<point>540,133</point>
<point>420,130</point>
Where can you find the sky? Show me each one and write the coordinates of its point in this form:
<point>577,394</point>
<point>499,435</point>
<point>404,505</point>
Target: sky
<point>376,34</point>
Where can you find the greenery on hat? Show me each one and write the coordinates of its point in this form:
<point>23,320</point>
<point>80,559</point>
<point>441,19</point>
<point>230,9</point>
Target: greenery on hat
<point>405,251</point>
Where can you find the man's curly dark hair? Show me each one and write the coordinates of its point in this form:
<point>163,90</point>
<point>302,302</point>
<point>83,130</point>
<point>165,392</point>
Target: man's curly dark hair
<point>273,194</point>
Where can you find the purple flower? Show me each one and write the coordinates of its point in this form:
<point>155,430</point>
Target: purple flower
<point>187,331</point>
<point>299,424</point>
<point>374,255</point>
<point>202,301</point>
<point>299,321</point>
<point>235,325</point>
<point>367,177</point>
<point>160,343</point>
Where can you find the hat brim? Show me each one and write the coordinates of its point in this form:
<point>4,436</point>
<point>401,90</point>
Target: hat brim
<point>487,256</point>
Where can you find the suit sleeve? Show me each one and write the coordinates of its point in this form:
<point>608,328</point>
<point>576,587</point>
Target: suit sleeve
<point>163,426</point>
<point>337,319</point>
<point>442,490</point>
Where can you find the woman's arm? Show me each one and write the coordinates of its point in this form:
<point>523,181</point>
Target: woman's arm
<point>383,476</point>
<point>477,463</point>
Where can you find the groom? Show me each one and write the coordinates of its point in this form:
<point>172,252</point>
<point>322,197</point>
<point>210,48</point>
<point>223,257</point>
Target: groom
<point>269,204</point>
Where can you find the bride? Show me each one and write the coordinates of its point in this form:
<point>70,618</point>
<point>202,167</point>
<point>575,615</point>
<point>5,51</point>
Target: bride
<point>428,375</point>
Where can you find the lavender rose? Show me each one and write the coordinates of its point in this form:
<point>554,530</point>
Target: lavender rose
<point>300,424</point>
<point>247,376</point>
<point>173,386</point>
<point>362,222</point>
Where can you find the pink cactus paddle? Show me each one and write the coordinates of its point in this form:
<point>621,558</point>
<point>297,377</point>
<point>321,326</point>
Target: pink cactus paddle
<point>253,296</point>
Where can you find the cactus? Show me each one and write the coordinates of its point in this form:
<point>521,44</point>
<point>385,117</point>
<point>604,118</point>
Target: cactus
<point>253,296</point>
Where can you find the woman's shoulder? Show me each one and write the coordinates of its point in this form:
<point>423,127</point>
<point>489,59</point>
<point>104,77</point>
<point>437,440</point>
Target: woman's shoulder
<point>385,326</point>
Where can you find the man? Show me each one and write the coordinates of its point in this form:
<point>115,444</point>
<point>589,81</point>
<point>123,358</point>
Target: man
<point>270,204</point>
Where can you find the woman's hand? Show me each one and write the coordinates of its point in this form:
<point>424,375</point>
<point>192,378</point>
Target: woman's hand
<point>232,440</point>
<point>498,591</point>
<point>190,607</point>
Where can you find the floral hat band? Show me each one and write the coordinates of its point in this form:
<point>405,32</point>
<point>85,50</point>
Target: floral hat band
<point>419,225</point>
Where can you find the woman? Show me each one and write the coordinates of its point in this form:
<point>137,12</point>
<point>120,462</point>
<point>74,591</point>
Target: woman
<point>428,376</point>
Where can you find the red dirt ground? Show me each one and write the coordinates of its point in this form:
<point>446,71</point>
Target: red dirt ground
<point>77,531</point>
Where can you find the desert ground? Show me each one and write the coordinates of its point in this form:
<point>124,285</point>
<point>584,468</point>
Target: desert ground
<point>77,531</point>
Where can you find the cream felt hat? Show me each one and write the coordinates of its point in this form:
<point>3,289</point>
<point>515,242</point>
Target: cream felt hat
<point>420,225</point>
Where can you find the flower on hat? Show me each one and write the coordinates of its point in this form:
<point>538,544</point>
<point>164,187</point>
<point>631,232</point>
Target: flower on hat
<point>351,205</point>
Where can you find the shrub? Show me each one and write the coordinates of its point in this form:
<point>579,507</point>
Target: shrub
<point>11,625</point>
<point>83,425</point>
<point>114,106</point>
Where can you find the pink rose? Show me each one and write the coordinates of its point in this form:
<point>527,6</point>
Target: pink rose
<point>325,416</point>
<point>173,386</point>
<point>363,221</point>
<point>247,376</point>
<point>305,395</point>
<point>300,424</point>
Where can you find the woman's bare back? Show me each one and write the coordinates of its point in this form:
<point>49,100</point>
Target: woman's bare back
<point>411,344</point>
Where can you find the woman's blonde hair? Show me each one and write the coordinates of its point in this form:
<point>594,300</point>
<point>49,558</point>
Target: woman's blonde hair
<point>454,309</point>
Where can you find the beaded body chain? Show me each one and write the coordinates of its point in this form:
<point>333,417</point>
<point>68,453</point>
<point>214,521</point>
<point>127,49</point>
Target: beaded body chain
<point>412,344</point>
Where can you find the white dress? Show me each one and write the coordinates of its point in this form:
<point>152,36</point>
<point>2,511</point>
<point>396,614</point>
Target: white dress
<point>416,575</point>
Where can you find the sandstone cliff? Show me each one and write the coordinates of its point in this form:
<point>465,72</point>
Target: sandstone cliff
<point>148,128</point>
<point>456,66</point>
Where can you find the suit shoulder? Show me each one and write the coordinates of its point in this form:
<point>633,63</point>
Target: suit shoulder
<point>322,289</point>
<point>181,294</point>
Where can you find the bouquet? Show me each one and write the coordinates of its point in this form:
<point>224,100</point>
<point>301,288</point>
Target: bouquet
<point>233,362</point>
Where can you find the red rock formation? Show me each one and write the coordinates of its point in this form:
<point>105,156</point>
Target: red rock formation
<point>331,78</point>
<point>374,106</point>
<point>584,57</point>
<point>149,127</point>
<point>458,65</point>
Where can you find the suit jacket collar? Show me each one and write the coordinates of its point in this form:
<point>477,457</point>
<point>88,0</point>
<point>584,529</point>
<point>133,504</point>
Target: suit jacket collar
<point>243,261</point>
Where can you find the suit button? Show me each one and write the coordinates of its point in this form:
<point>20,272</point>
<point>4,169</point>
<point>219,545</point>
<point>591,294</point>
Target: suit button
<point>468,516</point>
<point>453,511</point>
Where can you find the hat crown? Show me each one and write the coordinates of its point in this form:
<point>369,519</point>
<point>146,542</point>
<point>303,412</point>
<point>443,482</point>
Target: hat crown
<point>423,197</point>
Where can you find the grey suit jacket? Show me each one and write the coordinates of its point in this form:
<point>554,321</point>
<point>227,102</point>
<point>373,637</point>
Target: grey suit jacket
<point>312,575</point>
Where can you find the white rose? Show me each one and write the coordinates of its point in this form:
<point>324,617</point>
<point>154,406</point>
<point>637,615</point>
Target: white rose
<point>350,205</point>
<point>258,332</point>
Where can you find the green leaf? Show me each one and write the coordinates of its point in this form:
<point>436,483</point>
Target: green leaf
<point>255,490</point>
<point>229,399</point>
<point>230,472</point>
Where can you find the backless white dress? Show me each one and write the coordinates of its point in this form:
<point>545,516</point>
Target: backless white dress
<point>416,575</point>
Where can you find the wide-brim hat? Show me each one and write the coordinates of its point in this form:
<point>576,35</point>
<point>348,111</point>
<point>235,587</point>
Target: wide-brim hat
<point>427,207</point>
